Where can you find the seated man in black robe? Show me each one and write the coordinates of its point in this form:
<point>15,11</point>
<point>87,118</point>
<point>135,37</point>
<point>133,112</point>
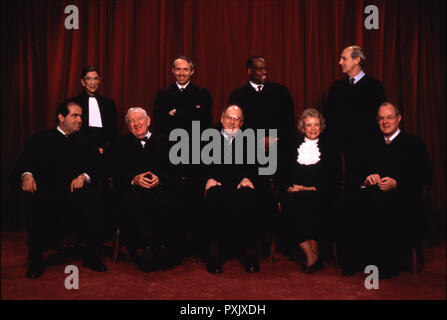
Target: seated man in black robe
<point>148,225</point>
<point>57,170</point>
<point>231,213</point>
<point>397,170</point>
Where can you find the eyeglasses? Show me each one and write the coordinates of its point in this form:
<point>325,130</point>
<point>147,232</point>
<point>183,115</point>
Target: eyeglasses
<point>230,117</point>
<point>386,118</point>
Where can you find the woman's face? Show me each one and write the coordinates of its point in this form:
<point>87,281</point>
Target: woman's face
<point>311,128</point>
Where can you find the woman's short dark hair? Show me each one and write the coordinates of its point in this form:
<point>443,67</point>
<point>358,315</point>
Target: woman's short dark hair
<point>88,69</point>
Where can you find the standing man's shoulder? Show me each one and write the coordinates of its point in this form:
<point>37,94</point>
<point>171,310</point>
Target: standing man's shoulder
<point>172,88</point>
<point>372,81</point>
<point>243,89</point>
<point>340,83</point>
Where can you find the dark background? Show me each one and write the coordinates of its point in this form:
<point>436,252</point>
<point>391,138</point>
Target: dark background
<point>134,43</point>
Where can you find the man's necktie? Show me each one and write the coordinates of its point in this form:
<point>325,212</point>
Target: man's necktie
<point>388,141</point>
<point>181,89</point>
<point>259,88</point>
<point>351,81</point>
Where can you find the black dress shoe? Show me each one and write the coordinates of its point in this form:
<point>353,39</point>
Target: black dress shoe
<point>348,272</point>
<point>95,264</point>
<point>214,265</point>
<point>35,270</point>
<point>251,264</point>
<point>146,261</point>
<point>388,273</point>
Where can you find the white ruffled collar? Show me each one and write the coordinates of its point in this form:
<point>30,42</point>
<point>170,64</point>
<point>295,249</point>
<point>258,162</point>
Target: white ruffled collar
<point>308,152</point>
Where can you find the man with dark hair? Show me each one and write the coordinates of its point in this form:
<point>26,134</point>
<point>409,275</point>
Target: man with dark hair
<point>389,214</point>
<point>177,106</point>
<point>148,224</point>
<point>57,170</point>
<point>100,118</point>
<point>182,102</point>
<point>267,105</point>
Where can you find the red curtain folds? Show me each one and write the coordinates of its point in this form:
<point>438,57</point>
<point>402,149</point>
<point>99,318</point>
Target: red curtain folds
<point>134,42</point>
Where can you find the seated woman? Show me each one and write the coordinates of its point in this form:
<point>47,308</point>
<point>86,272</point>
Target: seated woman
<point>310,184</point>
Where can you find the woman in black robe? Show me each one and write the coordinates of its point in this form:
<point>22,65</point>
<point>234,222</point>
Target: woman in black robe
<point>311,184</point>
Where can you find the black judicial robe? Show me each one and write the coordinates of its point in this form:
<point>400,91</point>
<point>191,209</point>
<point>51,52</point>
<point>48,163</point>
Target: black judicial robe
<point>310,214</point>
<point>350,115</point>
<point>101,137</point>
<point>384,226</point>
<point>55,160</point>
<point>192,104</point>
<point>147,216</point>
<point>53,210</point>
<point>128,158</point>
<point>406,160</point>
<point>232,213</point>
<point>272,108</point>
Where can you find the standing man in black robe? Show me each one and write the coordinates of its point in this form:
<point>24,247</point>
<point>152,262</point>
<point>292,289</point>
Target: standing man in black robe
<point>177,106</point>
<point>351,110</point>
<point>350,114</point>
<point>392,216</point>
<point>267,105</point>
<point>57,171</point>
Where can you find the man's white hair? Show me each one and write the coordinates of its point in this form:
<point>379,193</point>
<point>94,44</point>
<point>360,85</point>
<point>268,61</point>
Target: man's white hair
<point>136,109</point>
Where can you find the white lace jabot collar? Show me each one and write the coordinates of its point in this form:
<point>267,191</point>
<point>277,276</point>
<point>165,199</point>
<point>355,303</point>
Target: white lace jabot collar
<point>308,152</point>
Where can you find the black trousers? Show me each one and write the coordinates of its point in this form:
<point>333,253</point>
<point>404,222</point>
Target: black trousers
<point>232,215</point>
<point>148,218</point>
<point>375,229</point>
<point>56,213</point>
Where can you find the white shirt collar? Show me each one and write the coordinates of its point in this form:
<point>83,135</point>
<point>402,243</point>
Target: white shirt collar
<point>394,135</point>
<point>61,131</point>
<point>256,85</point>
<point>148,134</point>
<point>227,136</point>
<point>359,76</point>
<point>180,86</point>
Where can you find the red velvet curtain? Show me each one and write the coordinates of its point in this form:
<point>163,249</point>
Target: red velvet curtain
<point>134,42</point>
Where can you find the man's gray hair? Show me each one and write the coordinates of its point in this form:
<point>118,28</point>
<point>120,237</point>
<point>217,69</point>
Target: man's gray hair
<point>136,109</point>
<point>387,103</point>
<point>183,58</point>
<point>357,52</point>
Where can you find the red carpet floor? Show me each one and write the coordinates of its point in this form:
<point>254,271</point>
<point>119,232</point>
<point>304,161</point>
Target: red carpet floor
<point>282,280</point>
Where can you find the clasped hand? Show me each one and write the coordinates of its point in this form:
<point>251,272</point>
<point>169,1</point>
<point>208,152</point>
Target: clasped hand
<point>385,184</point>
<point>147,180</point>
